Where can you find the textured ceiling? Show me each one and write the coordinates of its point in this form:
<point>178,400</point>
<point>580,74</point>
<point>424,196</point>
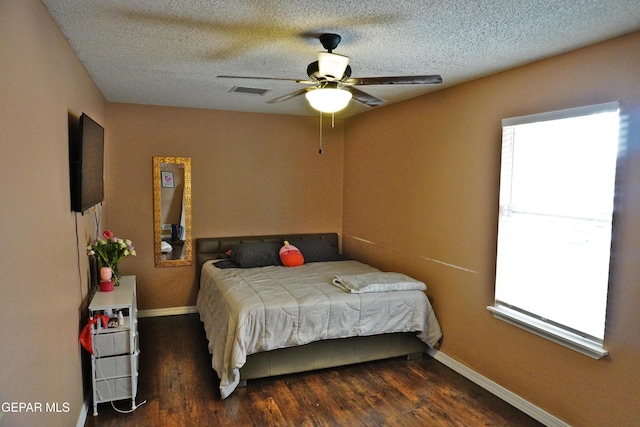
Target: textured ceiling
<point>169,52</point>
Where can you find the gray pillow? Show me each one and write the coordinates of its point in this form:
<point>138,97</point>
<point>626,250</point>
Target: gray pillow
<point>256,254</point>
<point>317,250</point>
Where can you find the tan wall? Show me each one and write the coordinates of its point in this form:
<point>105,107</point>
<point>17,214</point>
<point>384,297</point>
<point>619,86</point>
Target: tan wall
<point>43,272</point>
<point>251,174</point>
<point>421,194</point>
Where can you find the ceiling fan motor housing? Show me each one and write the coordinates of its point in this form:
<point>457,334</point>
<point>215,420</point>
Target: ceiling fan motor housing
<point>313,71</point>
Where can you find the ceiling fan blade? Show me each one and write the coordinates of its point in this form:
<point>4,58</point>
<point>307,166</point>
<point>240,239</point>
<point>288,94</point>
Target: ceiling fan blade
<point>396,80</point>
<point>364,98</point>
<point>306,82</point>
<point>290,95</point>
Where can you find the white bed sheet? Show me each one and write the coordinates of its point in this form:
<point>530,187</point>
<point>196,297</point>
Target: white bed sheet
<point>247,311</point>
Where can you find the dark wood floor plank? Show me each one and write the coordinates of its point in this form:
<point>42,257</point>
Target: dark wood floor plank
<point>181,389</point>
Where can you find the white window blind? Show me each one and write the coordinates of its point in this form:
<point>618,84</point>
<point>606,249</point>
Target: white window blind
<point>557,184</point>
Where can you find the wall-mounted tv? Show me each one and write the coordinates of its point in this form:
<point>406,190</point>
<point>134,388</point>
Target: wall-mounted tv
<point>86,158</point>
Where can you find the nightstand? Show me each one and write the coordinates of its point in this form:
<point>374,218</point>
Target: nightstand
<point>114,363</point>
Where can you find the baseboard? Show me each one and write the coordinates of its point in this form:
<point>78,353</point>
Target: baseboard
<point>508,396</point>
<point>169,311</point>
<point>82,417</point>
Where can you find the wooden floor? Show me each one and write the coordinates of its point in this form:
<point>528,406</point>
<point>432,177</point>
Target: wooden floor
<point>181,389</point>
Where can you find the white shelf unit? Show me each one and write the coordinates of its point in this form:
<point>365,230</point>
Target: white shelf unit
<point>114,363</point>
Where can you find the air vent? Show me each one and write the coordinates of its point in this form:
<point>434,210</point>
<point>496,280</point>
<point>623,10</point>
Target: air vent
<point>248,90</point>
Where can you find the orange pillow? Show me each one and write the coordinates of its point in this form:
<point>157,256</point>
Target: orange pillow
<point>290,255</point>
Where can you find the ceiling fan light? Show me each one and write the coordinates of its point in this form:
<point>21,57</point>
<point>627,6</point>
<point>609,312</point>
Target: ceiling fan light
<point>328,100</point>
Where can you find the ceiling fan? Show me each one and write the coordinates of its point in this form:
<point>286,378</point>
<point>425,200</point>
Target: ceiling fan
<point>330,77</point>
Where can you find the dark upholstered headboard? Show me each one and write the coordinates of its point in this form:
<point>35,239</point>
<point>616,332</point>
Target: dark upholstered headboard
<point>208,248</point>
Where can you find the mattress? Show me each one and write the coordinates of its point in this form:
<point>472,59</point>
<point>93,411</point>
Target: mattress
<point>252,310</point>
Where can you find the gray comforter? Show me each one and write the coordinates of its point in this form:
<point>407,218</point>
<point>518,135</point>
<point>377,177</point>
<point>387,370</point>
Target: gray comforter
<point>247,311</point>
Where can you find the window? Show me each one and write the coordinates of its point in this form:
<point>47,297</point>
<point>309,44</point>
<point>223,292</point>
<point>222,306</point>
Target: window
<point>557,182</point>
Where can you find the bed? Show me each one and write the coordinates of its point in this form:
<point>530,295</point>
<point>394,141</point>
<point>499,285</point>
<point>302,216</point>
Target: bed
<point>264,319</point>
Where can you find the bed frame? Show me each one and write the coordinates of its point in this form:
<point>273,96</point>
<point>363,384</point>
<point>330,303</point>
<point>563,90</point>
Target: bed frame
<point>319,354</point>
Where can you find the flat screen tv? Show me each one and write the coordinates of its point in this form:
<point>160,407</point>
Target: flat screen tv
<point>86,155</point>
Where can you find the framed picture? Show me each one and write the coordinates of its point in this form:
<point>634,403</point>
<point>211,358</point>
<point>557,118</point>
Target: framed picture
<point>167,179</point>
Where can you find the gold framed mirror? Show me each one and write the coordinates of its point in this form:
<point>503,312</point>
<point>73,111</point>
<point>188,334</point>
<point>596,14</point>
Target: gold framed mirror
<point>172,244</point>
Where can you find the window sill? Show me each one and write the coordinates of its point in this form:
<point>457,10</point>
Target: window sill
<point>550,332</point>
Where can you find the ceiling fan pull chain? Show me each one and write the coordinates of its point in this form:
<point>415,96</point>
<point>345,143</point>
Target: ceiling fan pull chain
<point>320,149</point>
<point>333,120</point>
